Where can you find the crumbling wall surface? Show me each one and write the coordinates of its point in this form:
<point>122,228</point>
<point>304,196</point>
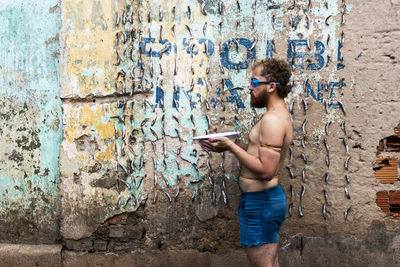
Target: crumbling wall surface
<point>371,60</point>
<point>140,79</point>
<point>30,121</point>
<point>131,105</point>
<point>371,100</point>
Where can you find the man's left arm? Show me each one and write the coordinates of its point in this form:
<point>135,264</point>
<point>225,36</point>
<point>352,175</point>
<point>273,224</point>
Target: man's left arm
<point>265,165</point>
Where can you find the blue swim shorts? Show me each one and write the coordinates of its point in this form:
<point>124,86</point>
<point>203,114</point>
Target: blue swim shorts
<point>261,215</point>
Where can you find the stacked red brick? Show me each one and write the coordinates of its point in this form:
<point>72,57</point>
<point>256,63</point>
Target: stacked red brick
<point>382,200</point>
<point>386,172</point>
<point>394,203</point>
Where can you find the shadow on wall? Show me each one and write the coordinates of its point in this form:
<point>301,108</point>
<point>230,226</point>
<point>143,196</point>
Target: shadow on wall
<point>386,172</point>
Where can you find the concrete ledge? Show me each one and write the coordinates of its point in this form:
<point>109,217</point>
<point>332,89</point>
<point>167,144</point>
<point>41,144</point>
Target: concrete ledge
<point>30,255</point>
<point>192,258</point>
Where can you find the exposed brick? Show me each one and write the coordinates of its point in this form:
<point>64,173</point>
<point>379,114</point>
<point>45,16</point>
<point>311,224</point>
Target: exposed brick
<point>386,170</point>
<point>79,245</point>
<point>394,203</point>
<point>380,147</point>
<point>100,245</point>
<point>394,213</point>
<point>118,219</point>
<point>116,231</point>
<point>394,197</point>
<point>392,144</point>
<point>389,202</point>
<point>102,232</point>
<point>382,201</point>
<point>136,233</point>
<point>119,246</point>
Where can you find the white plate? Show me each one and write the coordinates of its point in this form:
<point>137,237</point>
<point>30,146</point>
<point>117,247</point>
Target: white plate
<point>215,135</point>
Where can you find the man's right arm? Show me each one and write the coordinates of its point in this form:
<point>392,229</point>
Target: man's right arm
<point>241,143</point>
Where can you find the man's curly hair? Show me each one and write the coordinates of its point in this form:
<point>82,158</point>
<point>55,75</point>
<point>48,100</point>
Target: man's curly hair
<point>276,70</point>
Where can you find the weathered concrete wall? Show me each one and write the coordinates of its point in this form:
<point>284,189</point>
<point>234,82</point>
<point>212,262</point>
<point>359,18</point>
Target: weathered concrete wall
<point>142,78</point>
<point>30,124</point>
<point>30,255</point>
<point>139,79</point>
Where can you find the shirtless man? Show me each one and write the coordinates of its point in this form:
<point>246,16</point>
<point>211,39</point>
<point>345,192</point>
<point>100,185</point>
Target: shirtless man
<point>262,207</point>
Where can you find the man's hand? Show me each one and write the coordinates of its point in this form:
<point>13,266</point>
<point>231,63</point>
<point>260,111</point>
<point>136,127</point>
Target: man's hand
<point>219,144</point>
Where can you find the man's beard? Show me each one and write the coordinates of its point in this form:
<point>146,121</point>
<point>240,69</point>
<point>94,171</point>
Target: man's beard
<point>260,101</point>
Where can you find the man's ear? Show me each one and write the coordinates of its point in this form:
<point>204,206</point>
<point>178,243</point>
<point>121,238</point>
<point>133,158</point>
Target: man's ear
<point>271,87</point>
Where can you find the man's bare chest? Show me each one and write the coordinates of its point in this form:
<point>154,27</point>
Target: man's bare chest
<point>254,135</point>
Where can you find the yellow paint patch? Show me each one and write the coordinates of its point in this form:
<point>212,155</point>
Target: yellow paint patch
<point>88,31</point>
<point>107,154</point>
<point>84,119</point>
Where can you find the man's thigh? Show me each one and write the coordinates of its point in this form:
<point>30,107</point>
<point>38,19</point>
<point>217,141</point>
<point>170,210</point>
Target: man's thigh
<point>263,255</point>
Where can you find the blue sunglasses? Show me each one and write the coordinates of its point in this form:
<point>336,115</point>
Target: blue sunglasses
<point>255,82</point>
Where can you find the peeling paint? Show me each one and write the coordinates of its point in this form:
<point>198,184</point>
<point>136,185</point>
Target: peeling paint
<point>31,129</point>
<point>157,82</point>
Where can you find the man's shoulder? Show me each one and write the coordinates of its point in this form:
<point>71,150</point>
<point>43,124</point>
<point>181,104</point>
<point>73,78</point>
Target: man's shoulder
<point>273,122</point>
<point>269,118</point>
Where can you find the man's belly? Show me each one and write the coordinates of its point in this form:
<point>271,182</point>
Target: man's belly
<point>251,185</point>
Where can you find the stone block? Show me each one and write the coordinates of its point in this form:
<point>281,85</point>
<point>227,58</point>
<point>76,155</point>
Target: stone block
<point>116,231</point>
<point>135,232</point>
<point>119,246</point>
<point>100,245</point>
<point>79,245</point>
